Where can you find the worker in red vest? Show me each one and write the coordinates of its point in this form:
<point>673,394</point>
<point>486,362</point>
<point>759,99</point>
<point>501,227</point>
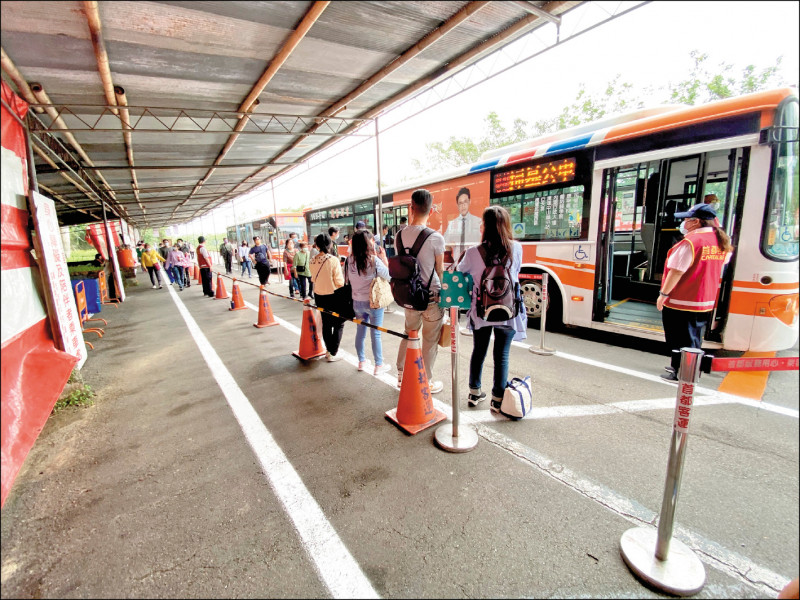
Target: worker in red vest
<point>691,279</point>
<point>204,262</point>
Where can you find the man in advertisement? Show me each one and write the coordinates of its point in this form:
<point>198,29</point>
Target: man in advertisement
<point>464,230</point>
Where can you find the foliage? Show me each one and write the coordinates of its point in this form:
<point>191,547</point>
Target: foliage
<point>81,255</point>
<point>703,84</point>
<point>80,396</point>
<point>90,271</point>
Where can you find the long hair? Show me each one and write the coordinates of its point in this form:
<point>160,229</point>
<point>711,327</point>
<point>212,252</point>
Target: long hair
<point>723,239</point>
<point>497,237</point>
<point>323,243</point>
<point>362,250</point>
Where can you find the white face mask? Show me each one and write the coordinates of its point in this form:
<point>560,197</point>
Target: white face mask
<point>682,228</point>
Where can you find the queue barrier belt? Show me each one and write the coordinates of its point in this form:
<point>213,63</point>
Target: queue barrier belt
<point>322,310</point>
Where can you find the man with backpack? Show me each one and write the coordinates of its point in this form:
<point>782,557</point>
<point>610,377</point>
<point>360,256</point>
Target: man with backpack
<point>416,272</point>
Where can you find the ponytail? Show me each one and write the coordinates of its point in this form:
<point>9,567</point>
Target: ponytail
<point>723,240</point>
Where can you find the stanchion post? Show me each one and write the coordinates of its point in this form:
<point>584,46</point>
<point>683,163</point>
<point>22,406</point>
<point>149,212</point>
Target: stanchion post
<point>657,557</point>
<point>542,349</point>
<point>455,438</point>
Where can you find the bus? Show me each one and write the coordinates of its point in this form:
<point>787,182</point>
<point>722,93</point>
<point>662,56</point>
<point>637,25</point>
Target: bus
<point>273,231</point>
<point>593,208</point>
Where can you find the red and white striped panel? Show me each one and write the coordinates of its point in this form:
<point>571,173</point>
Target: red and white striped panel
<point>34,371</point>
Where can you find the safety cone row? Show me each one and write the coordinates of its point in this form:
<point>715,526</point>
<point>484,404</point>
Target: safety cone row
<point>311,345</point>
<point>197,274</point>
<point>222,293</point>
<point>237,302</point>
<point>415,410</point>
<point>265,316</point>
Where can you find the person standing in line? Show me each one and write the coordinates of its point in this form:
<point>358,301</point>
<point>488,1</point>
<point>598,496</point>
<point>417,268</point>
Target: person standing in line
<point>333,232</point>
<point>244,259</point>
<point>388,241</point>
<point>150,260</point>
<point>403,224</point>
<point>497,244</point>
<point>188,265</point>
<point>204,262</point>
<point>430,258</point>
<point>289,252</point>
<point>259,254</point>
<point>175,261</point>
<point>365,264</point>
<point>300,269</point>
<point>226,251</point>
<point>326,273</point>
<point>690,284</point>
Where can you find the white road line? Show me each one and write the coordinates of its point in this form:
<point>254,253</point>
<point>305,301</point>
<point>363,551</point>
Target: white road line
<point>336,566</point>
<point>735,565</point>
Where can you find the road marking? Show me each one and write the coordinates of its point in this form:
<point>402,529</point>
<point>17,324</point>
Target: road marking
<point>336,566</point>
<point>750,384</point>
<point>735,565</point>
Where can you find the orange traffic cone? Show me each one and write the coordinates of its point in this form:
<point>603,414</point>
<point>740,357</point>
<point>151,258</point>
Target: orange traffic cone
<point>237,302</point>
<point>265,316</point>
<point>311,345</point>
<point>222,293</point>
<point>414,410</point>
<point>197,274</point>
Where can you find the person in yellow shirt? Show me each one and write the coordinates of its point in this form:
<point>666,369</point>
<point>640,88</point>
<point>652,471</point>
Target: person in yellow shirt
<point>150,260</point>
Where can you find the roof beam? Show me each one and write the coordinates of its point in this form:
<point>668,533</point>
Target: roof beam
<point>539,12</point>
<point>280,58</point>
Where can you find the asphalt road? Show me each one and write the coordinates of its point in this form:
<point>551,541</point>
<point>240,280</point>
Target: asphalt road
<point>215,464</point>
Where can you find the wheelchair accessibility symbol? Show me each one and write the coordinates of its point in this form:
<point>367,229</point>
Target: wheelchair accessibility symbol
<point>580,253</point>
<point>786,234</point>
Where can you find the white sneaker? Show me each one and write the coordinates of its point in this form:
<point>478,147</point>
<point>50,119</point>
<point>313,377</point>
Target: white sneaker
<point>332,357</point>
<point>435,386</point>
<point>362,365</point>
<point>155,287</point>
<point>381,369</point>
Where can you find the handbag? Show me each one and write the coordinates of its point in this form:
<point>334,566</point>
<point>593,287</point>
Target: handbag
<point>380,292</point>
<point>444,337</point>
<point>344,298</point>
<point>517,398</point>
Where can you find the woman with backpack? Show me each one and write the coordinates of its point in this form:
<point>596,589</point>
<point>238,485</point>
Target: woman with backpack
<point>494,265</point>
<point>363,266</point>
<point>326,275</point>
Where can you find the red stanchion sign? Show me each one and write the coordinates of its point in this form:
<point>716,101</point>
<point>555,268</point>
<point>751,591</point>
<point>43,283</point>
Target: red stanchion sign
<point>789,363</point>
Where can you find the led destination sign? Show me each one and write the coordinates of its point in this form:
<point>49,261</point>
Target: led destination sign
<point>557,171</point>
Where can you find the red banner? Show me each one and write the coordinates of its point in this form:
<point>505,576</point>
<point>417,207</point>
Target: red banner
<point>789,363</point>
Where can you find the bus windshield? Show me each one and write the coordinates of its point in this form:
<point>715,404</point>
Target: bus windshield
<point>780,239</point>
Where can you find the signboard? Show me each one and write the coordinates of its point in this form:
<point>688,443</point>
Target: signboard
<point>117,275</point>
<point>533,176</point>
<point>53,263</point>
<point>789,363</point>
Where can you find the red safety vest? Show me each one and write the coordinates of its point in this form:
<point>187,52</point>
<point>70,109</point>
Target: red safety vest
<point>697,290</point>
<point>202,262</point>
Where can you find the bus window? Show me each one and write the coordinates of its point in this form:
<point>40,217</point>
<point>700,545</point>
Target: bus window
<point>780,235</point>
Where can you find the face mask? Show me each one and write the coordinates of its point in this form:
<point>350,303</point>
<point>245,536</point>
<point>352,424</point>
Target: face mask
<point>682,228</point>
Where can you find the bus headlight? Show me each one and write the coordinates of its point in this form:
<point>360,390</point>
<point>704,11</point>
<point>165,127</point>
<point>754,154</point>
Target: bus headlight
<point>784,307</point>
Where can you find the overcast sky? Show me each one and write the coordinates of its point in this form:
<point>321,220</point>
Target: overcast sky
<point>649,48</point>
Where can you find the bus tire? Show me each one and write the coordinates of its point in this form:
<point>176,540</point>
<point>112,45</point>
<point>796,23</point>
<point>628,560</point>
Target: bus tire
<point>532,298</point>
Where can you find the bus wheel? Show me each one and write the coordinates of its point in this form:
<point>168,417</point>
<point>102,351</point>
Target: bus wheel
<point>532,297</point>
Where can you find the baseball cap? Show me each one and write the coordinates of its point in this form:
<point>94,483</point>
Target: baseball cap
<point>361,225</point>
<point>698,211</point>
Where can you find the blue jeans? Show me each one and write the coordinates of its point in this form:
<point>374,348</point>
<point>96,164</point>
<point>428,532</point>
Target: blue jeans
<point>247,264</point>
<point>177,275</point>
<point>374,316</point>
<point>503,336</point>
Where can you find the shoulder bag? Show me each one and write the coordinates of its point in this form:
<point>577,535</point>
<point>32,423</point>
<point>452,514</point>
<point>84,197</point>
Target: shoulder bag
<point>380,291</point>
<point>344,297</point>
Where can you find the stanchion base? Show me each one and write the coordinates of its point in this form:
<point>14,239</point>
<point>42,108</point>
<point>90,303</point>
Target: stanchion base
<point>466,440</point>
<point>682,574</point>
<point>542,351</point>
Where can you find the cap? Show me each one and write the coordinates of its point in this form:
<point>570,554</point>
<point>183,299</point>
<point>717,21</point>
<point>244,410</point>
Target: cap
<point>698,211</point>
<point>361,225</point>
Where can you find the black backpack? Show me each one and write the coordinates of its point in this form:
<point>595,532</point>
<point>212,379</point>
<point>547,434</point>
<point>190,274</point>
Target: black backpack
<point>498,296</point>
<point>407,287</point>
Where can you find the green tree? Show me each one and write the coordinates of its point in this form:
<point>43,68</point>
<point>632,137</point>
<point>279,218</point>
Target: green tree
<point>706,84</point>
<point>703,84</point>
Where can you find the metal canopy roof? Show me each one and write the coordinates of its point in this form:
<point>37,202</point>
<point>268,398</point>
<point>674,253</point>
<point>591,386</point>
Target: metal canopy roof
<point>166,110</point>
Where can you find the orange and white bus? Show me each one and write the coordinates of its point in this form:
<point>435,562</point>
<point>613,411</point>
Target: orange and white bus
<point>593,207</point>
<point>274,231</point>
